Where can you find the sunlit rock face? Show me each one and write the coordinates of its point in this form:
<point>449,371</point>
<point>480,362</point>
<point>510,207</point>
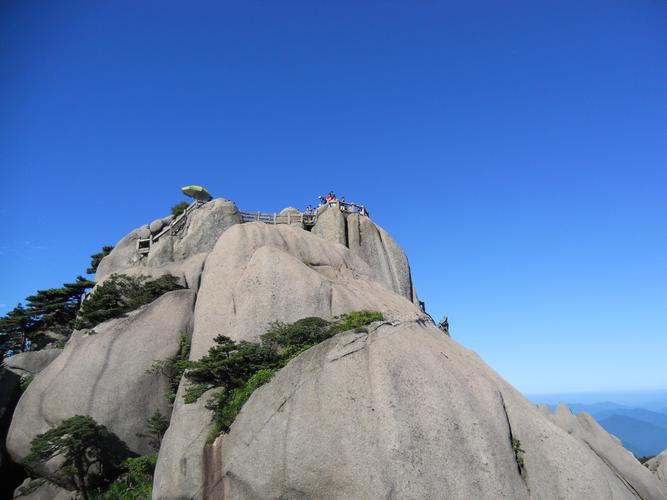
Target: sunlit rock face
<point>398,411</point>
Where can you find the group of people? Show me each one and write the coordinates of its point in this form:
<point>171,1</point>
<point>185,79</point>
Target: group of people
<point>331,200</point>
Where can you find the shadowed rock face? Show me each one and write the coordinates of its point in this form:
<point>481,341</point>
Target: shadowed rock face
<point>106,376</point>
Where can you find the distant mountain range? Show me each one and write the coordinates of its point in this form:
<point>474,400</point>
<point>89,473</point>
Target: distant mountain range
<point>642,431</point>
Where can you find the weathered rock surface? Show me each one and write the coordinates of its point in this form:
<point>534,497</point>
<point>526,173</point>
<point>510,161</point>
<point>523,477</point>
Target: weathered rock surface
<point>259,273</point>
<point>388,263</point>
<point>202,228</point>
<point>406,412</point>
<point>40,489</point>
<point>107,376</point>
<point>607,447</point>
<point>179,470</point>
<point>400,412</point>
<point>658,466</point>
<point>31,362</point>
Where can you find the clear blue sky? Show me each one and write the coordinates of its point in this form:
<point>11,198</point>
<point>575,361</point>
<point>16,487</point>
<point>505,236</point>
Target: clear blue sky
<point>516,150</point>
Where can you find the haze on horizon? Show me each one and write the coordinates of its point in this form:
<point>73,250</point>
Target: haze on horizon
<point>516,151</point>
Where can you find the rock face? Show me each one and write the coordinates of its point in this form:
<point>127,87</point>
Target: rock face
<point>401,411</point>
<point>39,489</point>
<point>199,233</point>
<point>31,362</point>
<point>257,274</point>
<point>406,412</point>
<point>607,447</point>
<point>388,263</point>
<point>658,466</point>
<point>106,376</point>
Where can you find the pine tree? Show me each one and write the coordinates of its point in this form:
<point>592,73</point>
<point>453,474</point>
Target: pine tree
<point>95,259</point>
<point>82,443</point>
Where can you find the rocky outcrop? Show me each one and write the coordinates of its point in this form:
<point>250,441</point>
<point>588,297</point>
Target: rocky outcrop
<point>32,363</point>
<point>200,230</point>
<point>40,489</point>
<point>255,275</point>
<point>406,412</point>
<point>608,448</point>
<point>400,411</point>
<point>259,273</point>
<point>388,263</point>
<point>106,376</point>
<point>658,466</point>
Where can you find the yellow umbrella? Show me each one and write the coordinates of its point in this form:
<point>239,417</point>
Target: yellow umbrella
<point>197,192</point>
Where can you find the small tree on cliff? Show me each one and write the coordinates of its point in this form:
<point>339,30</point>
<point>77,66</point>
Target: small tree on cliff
<point>179,208</point>
<point>83,444</point>
<point>95,259</point>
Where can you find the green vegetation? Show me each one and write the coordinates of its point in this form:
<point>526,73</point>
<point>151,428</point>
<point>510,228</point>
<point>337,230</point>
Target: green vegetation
<point>25,381</point>
<point>174,367</point>
<point>95,259</point>
<point>238,368</point>
<point>120,294</point>
<point>157,425</point>
<point>644,459</point>
<point>52,309</point>
<point>91,455</point>
<point>135,483</point>
<point>179,208</point>
<point>518,454</point>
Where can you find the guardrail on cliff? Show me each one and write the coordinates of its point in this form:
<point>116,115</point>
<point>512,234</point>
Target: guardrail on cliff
<point>305,219</point>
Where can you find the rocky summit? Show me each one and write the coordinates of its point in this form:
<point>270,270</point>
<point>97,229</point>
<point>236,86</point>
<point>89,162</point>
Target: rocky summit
<point>394,409</point>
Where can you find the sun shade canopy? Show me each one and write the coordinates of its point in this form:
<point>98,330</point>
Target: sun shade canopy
<point>197,192</point>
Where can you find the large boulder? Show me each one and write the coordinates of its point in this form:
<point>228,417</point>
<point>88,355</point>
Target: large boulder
<point>406,412</point>
<point>259,273</point>
<point>41,489</point>
<point>33,362</point>
<point>199,231</point>
<point>255,275</point>
<point>107,376</point>
<point>658,466</point>
<point>386,259</point>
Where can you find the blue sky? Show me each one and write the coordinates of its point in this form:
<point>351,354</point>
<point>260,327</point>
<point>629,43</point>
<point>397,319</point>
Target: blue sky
<point>516,150</point>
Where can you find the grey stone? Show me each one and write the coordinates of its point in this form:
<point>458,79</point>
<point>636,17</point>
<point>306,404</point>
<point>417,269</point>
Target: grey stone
<point>179,469</point>
<point>370,242</point>
<point>658,466</point>
<point>188,271</point>
<point>41,489</point>
<point>31,362</point>
<point>609,449</point>
<point>201,229</point>
<point>107,376</point>
<point>405,412</point>
<point>156,226</point>
<point>331,226</point>
<point>257,274</point>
